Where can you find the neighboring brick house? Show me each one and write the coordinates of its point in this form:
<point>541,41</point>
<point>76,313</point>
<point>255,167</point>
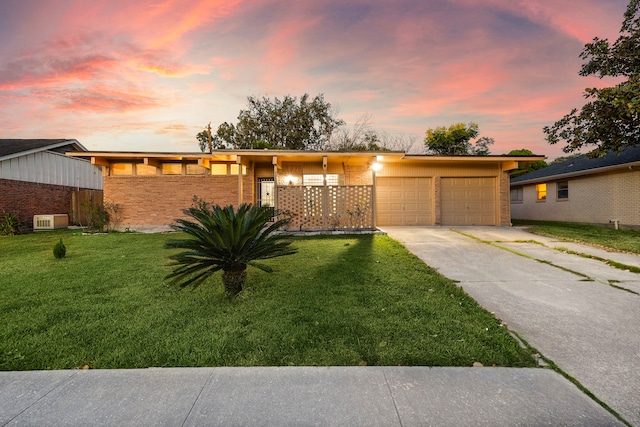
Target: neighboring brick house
<point>323,190</point>
<point>588,190</point>
<point>37,178</point>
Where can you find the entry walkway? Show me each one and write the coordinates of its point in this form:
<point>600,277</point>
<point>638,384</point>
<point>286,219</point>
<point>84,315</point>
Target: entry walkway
<point>575,311</point>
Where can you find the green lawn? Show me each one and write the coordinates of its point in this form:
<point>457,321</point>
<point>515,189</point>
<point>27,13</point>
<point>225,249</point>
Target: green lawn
<point>622,240</point>
<point>340,300</point>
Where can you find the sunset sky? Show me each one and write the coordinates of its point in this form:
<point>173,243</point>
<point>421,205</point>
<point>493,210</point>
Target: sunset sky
<point>149,75</point>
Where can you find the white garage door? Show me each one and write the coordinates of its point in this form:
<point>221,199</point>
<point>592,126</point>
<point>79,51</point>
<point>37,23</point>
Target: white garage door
<point>468,201</point>
<point>403,201</point>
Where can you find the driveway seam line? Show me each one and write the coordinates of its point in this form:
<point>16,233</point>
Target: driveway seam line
<point>542,261</point>
<point>553,366</point>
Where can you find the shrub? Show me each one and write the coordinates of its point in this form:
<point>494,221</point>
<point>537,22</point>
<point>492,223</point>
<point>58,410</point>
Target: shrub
<point>97,217</point>
<point>9,224</point>
<point>59,250</point>
<point>222,238</point>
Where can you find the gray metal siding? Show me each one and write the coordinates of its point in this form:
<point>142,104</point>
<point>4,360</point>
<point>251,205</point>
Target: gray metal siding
<point>52,168</point>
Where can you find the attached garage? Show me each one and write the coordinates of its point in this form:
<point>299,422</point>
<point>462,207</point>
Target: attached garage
<point>404,201</point>
<point>468,201</point>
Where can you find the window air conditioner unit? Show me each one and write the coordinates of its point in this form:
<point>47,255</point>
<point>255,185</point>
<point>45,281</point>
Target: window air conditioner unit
<point>50,222</point>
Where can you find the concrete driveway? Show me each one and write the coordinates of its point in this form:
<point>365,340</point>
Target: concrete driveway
<point>563,305</point>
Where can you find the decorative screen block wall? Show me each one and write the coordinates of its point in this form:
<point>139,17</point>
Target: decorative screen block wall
<point>327,208</point>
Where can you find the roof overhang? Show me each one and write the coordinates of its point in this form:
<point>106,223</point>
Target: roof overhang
<point>62,143</point>
<point>279,156</point>
<point>585,172</point>
<point>237,156</point>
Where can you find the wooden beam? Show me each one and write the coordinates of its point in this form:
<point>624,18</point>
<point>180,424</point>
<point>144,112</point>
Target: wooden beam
<point>511,165</point>
<point>100,161</point>
<point>276,162</point>
<point>205,163</point>
<point>152,162</point>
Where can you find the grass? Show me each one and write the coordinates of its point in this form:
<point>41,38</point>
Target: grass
<point>342,300</point>
<point>620,240</point>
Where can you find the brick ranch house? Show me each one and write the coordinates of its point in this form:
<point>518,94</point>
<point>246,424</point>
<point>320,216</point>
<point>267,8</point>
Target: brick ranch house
<point>323,190</point>
<point>37,178</point>
<point>596,191</point>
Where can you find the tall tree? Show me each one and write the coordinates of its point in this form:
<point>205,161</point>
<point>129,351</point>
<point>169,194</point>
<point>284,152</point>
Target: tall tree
<point>456,141</point>
<point>611,120</point>
<point>209,142</point>
<point>286,123</point>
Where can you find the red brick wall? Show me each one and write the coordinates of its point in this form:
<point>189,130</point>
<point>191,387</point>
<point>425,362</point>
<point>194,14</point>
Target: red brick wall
<point>155,201</point>
<point>505,199</point>
<point>26,199</point>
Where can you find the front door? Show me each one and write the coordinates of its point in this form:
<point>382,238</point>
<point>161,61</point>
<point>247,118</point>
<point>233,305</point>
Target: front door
<point>266,192</point>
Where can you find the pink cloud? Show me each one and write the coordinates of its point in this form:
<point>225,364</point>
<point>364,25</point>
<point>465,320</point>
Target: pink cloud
<point>52,70</point>
<point>160,24</point>
<point>510,65</point>
<point>102,98</point>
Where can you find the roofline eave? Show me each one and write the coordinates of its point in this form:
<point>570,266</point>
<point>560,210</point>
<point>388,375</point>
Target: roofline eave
<point>48,147</point>
<point>584,172</point>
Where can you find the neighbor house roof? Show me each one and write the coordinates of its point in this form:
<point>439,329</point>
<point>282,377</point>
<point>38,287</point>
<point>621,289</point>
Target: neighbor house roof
<point>583,165</point>
<point>10,148</point>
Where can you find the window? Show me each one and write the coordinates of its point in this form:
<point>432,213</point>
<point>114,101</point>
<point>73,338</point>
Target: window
<point>236,168</point>
<point>172,169</point>
<point>193,169</point>
<point>516,195</point>
<point>142,169</point>
<point>541,192</point>
<point>122,169</point>
<point>316,179</point>
<point>563,190</point>
<point>218,169</point>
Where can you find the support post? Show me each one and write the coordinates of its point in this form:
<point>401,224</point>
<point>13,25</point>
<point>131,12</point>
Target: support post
<point>240,186</point>
<point>274,161</point>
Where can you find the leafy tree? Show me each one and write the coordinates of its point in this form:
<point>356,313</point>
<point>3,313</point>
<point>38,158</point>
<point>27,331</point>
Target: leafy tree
<point>215,143</point>
<point>456,141</point>
<point>482,146</point>
<point>221,238</point>
<point>611,120</point>
<point>565,158</point>
<point>289,123</point>
<point>526,167</point>
<point>203,140</point>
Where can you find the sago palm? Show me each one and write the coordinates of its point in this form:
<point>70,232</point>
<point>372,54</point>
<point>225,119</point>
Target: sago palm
<point>221,238</point>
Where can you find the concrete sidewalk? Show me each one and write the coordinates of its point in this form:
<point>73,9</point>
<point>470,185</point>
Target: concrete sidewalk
<point>297,396</point>
<point>565,307</point>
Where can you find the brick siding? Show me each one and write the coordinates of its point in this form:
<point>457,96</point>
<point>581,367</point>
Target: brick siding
<point>505,197</point>
<point>358,175</point>
<point>155,201</point>
<point>595,199</point>
<point>26,199</point>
